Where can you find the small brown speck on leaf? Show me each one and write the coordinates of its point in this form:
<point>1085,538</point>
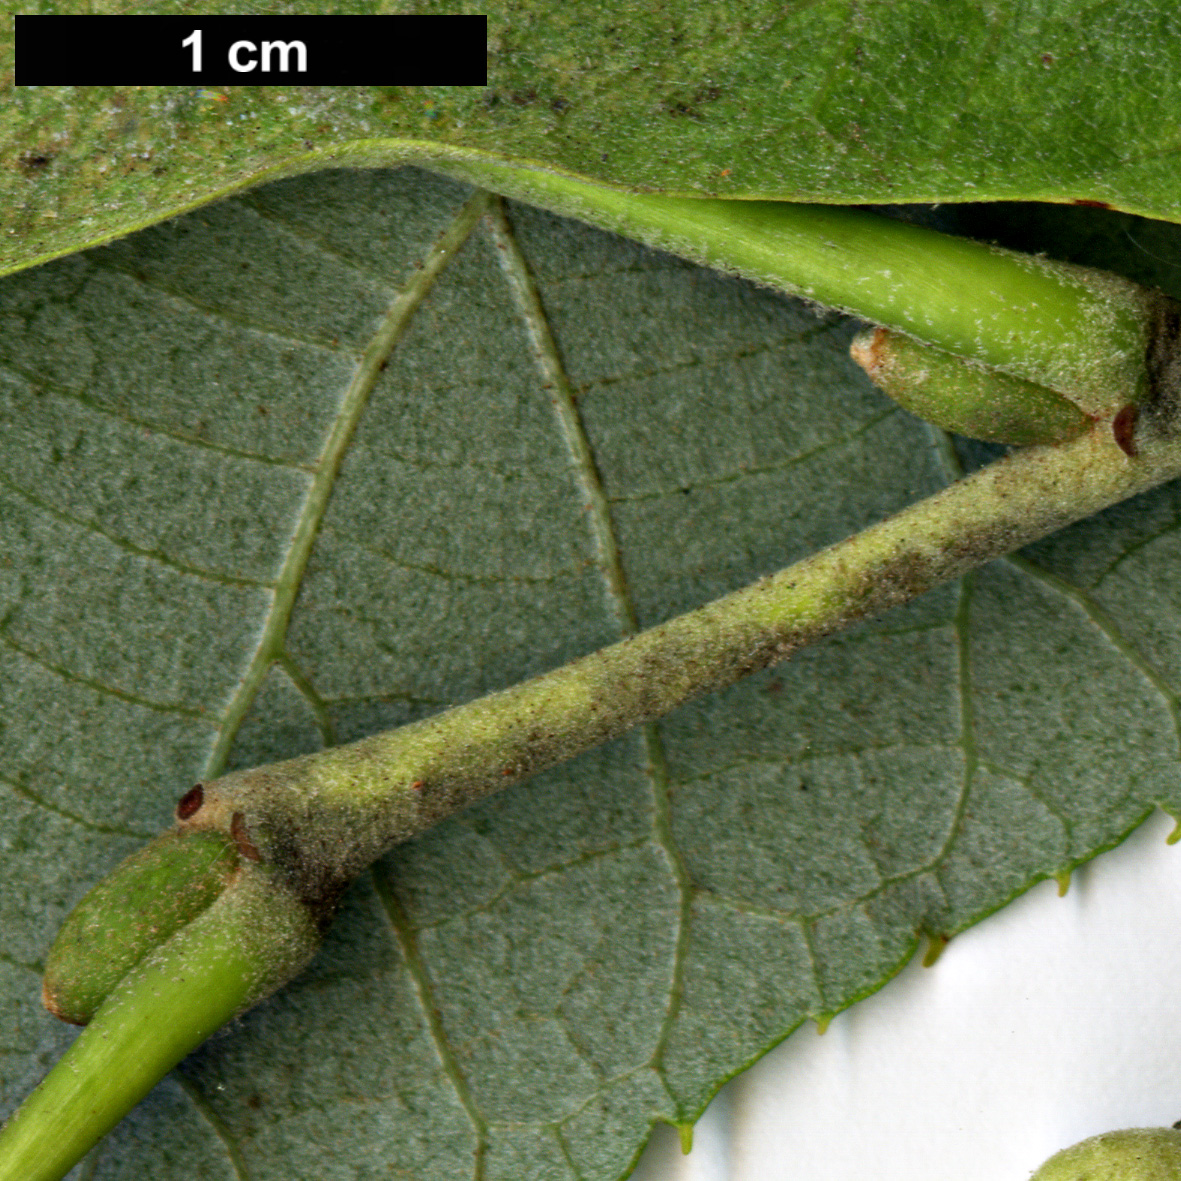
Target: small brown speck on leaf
<point>32,162</point>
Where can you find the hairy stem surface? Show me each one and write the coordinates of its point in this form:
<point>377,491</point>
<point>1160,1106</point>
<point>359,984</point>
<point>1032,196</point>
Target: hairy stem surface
<point>323,817</point>
<point>298,831</point>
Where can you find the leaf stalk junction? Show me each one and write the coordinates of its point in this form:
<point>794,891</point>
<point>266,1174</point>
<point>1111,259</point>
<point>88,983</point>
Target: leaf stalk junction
<point>223,909</point>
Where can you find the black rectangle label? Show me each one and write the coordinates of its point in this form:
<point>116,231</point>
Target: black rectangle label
<point>251,50</point>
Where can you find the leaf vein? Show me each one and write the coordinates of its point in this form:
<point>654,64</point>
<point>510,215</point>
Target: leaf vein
<point>26,793</point>
<point>214,312</point>
<point>454,575</point>
<point>1107,627</point>
<point>387,699</point>
<point>517,878</point>
<point>99,407</point>
<point>1026,781</point>
<point>567,1155</point>
<point>300,234</point>
<point>987,56</point>
<point>123,543</point>
<point>205,1109</point>
<point>356,397</point>
<point>767,469</point>
<point>791,340</point>
<point>98,686</point>
<point>404,935</point>
<point>1133,549</point>
<point>304,687</point>
<point>838,59</point>
<point>37,969</point>
<point>557,384</point>
<point>805,760</point>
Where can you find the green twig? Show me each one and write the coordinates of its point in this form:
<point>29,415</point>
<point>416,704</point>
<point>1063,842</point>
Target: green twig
<point>322,817</point>
<point>315,821</point>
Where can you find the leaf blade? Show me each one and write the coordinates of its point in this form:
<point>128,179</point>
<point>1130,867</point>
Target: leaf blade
<point>454,558</point>
<point>829,102</point>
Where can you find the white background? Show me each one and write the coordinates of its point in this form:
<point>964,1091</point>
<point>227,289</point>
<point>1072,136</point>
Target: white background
<point>1054,1019</point>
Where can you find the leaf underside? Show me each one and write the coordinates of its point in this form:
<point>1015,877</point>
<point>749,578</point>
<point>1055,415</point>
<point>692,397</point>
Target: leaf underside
<point>839,101</point>
<point>523,991</point>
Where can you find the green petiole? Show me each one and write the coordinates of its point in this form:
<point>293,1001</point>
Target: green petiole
<point>1076,330</point>
<point>253,938</point>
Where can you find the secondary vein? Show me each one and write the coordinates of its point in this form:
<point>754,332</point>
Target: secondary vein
<point>220,1129</point>
<point>420,979</point>
<point>557,385</point>
<point>561,395</point>
<point>1110,630</point>
<point>356,397</point>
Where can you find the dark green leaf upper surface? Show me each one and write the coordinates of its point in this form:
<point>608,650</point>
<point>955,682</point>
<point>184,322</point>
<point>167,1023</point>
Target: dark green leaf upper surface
<point>521,992</point>
<point>840,101</point>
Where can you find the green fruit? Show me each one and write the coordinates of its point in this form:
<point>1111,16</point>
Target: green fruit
<point>1135,1154</point>
<point>144,901</point>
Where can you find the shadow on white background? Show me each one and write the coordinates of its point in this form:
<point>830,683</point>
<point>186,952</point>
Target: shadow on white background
<point>1052,1020</point>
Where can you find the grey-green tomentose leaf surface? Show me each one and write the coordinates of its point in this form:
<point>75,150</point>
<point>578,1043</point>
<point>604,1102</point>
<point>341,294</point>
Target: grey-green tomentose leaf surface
<point>523,991</point>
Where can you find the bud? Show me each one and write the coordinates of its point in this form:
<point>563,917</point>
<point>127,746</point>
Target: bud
<point>964,396</point>
<point>134,909</point>
<point>252,938</point>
